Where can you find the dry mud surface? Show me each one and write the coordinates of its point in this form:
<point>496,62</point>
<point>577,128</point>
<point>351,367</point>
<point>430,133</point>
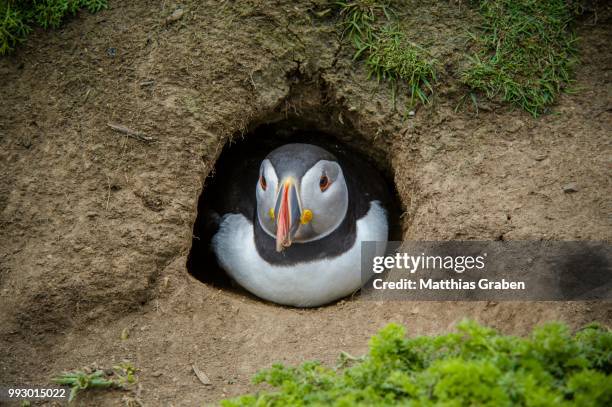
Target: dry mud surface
<point>95,227</point>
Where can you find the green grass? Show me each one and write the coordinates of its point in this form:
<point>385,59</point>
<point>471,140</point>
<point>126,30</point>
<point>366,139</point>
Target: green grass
<point>360,20</point>
<point>392,57</point>
<point>123,375</point>
<point>385,49</point>
<point>475,366</point>
<point>527,51</point>
<point>18,17</point>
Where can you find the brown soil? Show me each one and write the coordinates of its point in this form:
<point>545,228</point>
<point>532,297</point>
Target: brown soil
<point>96,226</point>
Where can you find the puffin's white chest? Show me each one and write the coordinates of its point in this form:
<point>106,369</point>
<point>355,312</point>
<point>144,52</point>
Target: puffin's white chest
<point>303,284</point>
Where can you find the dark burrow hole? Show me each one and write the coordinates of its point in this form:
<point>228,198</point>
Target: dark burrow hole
<point>252,148</point>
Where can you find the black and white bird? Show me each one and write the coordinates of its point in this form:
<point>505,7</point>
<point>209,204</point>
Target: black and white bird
<point>289,227</point>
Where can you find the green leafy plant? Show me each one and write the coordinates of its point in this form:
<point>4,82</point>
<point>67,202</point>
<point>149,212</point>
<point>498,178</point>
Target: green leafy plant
<point>387,52</point>
<point>526,52</point>
<point>122,375</point>
<point>18,17</point>
<point>475,366</point>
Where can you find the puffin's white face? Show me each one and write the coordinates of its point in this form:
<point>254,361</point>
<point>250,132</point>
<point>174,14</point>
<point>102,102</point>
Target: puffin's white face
<point>301,210</point>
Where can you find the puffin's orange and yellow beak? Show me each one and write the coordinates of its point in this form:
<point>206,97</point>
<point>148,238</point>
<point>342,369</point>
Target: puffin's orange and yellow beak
<point>288,213</point>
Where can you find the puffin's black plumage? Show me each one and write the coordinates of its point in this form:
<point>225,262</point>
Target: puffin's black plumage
<point>237,194</point>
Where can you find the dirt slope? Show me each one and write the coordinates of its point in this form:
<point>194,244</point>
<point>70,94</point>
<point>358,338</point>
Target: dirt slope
<point>95,226</point>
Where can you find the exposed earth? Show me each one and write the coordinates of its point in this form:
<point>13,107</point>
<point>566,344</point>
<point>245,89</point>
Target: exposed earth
<point>96,225</point>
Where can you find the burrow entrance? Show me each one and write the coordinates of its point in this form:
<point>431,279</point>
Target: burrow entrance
<point>253,148</point>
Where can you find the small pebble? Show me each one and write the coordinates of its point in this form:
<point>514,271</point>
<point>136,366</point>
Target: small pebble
<point>570,188</point>
<point>175,16</point>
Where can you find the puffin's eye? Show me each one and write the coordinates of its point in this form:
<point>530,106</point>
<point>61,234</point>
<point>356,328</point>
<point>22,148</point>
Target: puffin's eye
<point>324,183</point>
<point>262,182</point>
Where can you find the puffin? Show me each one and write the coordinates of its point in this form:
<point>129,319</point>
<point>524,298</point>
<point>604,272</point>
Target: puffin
<point>288,227</point>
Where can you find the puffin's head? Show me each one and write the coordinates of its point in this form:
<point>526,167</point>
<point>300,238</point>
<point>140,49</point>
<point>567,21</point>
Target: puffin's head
<point>301,194</point>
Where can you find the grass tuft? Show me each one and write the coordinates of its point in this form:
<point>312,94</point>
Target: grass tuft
<point>361,20</point>
<point>392,57</point>
<point>18,17</point>
<point>475,366</point>
<point>527,52</point>
<point>387,52</point>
